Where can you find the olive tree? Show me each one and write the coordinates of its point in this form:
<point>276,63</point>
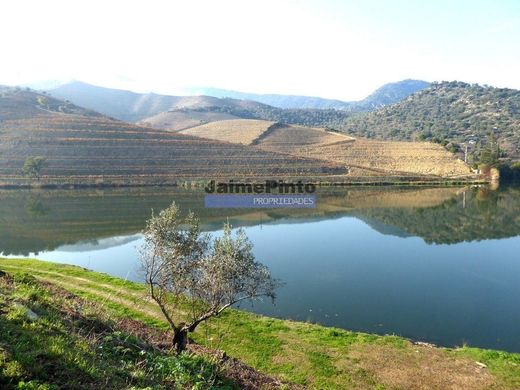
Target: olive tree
<point>187,271</point>
<point>33,167</point>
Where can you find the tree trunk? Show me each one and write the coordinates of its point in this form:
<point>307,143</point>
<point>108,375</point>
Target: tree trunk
<point>180,339</point>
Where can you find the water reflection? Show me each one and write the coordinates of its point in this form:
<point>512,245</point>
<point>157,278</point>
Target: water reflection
<point>35,221</point>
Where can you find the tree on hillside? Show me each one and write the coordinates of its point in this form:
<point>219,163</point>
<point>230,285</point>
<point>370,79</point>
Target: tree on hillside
<point>490,152</point>
<point>188,272</point>
<point>33,167</point>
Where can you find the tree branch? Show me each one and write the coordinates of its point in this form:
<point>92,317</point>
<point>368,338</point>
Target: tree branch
<point>215,312</point>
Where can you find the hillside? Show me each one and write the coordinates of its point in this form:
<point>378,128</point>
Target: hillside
<point>175,120</point>
<point>366,157</point>
<point>133,107</point>
<point>243,131</point>
<point>181,118</point>
<point>387,94</point>
<point>180,112</point>
<point>391,93</point>
<point>293,138</point>
<point>17,103</point>
<point>363,157</point>
<point>83,146</point>
<point>53,339</point>
<point>453,111</point>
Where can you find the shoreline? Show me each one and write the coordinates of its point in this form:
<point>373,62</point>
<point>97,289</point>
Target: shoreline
<point>302,353</point>
<point>419,181</point>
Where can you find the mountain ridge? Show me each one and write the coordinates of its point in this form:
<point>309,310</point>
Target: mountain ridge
<point>133,106</point>
<point>387,94</point>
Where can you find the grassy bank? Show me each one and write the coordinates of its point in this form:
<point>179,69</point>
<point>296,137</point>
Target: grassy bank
<point>300,353</point>
<point>52,340</point>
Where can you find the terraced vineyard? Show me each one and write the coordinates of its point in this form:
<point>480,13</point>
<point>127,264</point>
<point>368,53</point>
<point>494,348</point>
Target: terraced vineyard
<point>365,157</point>
<point>289,138</point>
<point>371,157</point>
<point>82,146</point>
<point>242,131</point>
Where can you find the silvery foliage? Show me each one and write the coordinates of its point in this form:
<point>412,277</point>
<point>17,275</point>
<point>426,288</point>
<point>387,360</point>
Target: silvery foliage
<point>183,266</point>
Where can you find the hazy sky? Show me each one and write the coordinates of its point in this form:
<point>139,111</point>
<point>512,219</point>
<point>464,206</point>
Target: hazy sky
<point>337,49</point>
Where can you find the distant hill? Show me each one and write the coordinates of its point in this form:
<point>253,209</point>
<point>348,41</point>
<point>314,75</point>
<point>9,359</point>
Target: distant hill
<point>391,93</point>
<point>82,146</point>
<point>311,112</point>
<point>132,106</point>
<point>135,107</point>
<point>451,111</point>
<point>388,94</point>
<point>276,100</point>
<point>21,103</point>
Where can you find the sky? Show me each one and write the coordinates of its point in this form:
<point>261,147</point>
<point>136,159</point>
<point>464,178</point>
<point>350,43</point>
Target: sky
<point>341,49</point>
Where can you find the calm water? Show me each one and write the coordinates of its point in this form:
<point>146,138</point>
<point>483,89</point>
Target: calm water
<point>438,265</point>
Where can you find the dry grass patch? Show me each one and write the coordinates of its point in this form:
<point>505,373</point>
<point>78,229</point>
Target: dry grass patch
<point>390,157</point>
<point>242,131</point>
<point>419,368</point>
<point>365,157</point>
<point>293,139</point>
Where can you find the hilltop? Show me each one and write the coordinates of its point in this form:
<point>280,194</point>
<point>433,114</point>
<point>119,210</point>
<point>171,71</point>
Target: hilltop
<point>391,93</point>
<point>451,111</point>
<point>82,146</point>
<point>17,103</point>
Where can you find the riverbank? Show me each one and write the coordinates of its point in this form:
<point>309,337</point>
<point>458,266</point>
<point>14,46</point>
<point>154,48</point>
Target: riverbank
<point>17,182</point>
<point>299,353</point>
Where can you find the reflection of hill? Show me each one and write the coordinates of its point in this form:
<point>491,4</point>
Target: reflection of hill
<point>477,214</point>
<point>32,221</point>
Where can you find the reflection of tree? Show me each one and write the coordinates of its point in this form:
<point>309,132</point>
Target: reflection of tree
<point>35,207</point>
<point>479,214</point>
<point>487,203</point>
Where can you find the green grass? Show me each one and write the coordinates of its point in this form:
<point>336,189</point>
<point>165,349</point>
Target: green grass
<point>60,350</point>
<point>302,353</point>
<point>503,364</point>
